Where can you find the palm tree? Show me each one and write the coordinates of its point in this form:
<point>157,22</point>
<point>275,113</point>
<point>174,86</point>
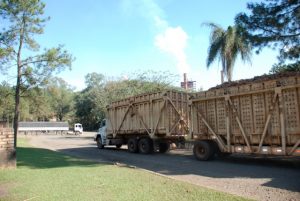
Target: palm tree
<point>226,45</point>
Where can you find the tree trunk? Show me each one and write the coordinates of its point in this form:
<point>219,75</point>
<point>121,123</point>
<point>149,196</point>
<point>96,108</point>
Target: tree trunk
<point>17,95</point>
<point>17,108</point>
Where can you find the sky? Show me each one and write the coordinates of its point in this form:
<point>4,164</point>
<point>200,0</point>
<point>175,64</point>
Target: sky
<point>119,37</point>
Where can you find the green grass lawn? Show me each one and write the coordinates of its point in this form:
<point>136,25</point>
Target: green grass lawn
<point>47,175</point>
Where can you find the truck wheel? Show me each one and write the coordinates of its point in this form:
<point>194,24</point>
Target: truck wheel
<point>203,150</point>
<point>145,146</point>
<point>163,147</point>
<point>99,143</point>
<point>132,145</point>
<point>118,146</point>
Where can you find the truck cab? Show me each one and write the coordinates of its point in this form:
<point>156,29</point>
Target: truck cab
<point>78,128</point>
<point>102,140</point>
<point>100,137</point>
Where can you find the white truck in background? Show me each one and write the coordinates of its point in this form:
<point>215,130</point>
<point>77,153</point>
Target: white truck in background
<point>77,129</point>
<point>49,127</point>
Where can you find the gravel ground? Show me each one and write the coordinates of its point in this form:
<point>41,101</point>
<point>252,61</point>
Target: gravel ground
<point>256,178</point>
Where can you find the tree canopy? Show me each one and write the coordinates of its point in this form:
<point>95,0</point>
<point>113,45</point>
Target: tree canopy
<point>6,102</point>
<point>281,68</point>
<point>61,98</point>
<point>276,24</point>
<point>90,103</point>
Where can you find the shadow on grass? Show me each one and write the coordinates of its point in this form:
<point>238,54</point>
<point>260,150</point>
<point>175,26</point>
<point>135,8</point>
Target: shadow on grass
<point>30,157</point>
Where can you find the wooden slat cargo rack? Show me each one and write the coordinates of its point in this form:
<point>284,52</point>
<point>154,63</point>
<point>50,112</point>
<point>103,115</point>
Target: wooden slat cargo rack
<point>261,117</point>
<point>156,114</point>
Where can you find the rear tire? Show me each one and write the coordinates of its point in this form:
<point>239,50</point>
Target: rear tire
<point>132,145</point>
<point>99,143</point>
<point>203,150</point>
<point>163,147</point>
<point>145,146</point>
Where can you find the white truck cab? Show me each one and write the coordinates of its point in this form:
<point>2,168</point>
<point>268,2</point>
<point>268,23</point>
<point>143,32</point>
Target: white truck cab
<point>102,140</point>
<point>78,128</point>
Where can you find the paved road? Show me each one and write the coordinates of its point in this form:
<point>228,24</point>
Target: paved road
<point>256,178</point>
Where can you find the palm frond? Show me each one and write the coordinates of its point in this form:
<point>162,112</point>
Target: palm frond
<point>226,45</point>
<point>213,51</point>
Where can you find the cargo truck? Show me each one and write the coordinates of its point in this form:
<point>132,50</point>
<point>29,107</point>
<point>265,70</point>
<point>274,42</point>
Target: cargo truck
<point>255,116</point>
<point>145,123</point>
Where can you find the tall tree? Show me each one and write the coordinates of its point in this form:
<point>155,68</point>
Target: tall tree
<point>61,97</point>
<point>24,19</point>
<point>90,103</point>
<point>274,23</point>
<point>35,105</point>
<point>226,45</point>
<point>94,80</point>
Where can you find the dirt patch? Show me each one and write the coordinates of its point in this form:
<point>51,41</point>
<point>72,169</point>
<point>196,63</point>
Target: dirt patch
<point>3,192</point>
<point>4,189</point>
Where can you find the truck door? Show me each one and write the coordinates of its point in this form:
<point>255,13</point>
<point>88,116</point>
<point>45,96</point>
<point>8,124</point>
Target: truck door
<point>102,130</point>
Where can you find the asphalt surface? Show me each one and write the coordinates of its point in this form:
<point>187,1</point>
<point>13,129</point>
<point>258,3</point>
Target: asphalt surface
<point>258,178</point>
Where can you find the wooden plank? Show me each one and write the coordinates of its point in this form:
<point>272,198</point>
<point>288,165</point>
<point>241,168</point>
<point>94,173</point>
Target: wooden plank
<point>227,121</point>
<point>160,114</point>
<point>143,123</point>
<point>122,121</point>
<point>180,116</point>
<point>212,131</point>
<point>267,122</point>
<point>239,123</point>
<point>228,133</point>
<point>282,122</point>
<point>294,147</point>
<point>174,126</point>
<point>243,132</point>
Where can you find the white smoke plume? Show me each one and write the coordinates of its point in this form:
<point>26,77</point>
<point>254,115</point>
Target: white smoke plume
<point>171,40</point>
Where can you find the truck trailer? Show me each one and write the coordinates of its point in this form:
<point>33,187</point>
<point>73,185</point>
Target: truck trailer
<point>48,127</point>
<point>255,116</point>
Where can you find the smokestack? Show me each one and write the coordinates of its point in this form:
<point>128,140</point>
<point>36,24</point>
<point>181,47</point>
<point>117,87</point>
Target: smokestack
<point>185,81</point>
<point>187,85</point>
<point>222,76</point>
